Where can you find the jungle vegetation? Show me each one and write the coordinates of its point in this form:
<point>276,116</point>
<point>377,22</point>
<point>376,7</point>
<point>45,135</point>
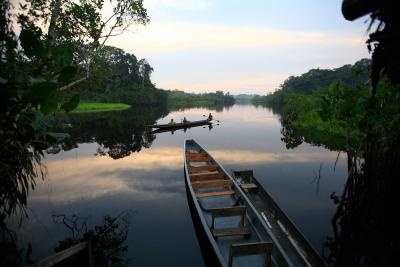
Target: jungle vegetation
<point>180,99</point>
<point>315,81</point>
<point>360,117</point>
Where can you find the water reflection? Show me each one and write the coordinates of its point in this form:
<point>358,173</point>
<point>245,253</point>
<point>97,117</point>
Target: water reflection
<point>118,134</point>
<point>151,182</point>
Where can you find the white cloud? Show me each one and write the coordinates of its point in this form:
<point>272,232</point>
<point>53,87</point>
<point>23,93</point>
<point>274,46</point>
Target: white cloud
<point>160,37</point>
<point>245,84</point>
<point>204,57</point>
<point>191,5</point>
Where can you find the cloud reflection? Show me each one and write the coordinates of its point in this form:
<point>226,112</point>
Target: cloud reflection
<point>148,173</point>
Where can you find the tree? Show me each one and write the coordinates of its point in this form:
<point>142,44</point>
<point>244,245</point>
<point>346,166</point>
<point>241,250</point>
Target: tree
<point>53,52</point>
<point>145,71</point>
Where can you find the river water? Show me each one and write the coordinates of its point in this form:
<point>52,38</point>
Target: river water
<point>110,166</point>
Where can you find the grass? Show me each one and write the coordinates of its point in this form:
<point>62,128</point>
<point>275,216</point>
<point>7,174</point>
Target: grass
<point>97,107</point>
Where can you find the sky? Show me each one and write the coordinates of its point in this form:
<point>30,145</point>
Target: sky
<point>242,46</point>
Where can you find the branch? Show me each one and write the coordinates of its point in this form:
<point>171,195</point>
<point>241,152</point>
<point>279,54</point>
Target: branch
<point>112,35</point>
<point>65,87</point>
<point>54,17</point>
<point>113,15</point>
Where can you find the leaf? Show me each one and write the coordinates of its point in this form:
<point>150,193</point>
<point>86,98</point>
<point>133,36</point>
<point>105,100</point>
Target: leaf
<point>67,74</point>
<point>31,43</point>
<point>63,54</point>
<point>41,122</point>
<point>3,81</point>
<point>48,107</point>
<point>57,136</point>
<point>71,104</point>
<point>42,90</point>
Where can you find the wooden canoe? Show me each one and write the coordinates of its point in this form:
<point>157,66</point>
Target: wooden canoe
<point>180,124</point>
<point>226,222</point>
<point>290,238</point>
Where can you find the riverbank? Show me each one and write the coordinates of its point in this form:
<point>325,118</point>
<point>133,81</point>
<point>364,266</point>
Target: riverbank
<point>98,107</point>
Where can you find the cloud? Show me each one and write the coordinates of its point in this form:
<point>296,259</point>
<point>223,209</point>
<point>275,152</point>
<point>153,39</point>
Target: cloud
<point>160,37</point>
<point>186,5</point>
<point>89,177</point>
<point>256,84</point>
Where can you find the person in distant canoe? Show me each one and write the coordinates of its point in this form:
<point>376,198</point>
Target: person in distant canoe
<point>210,117</point>
<point>172,121</point>
<point>184,120</point>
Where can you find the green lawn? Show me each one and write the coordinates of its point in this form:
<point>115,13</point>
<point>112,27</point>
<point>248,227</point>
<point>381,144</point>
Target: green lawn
<point>97,107</point>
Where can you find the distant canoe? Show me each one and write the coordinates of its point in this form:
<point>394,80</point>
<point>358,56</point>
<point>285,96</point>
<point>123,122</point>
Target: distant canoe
<point>229,226</point>
<point>292,241</point>
<point>180,125</point>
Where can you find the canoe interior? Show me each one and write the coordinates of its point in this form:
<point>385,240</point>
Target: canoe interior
<point>236,222</point>
<point>292,241</point>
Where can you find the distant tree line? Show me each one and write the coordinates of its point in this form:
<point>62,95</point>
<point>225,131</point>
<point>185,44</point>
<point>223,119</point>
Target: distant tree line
<point>315,81</point>
<point>120,77</point>
<point>177,99</point>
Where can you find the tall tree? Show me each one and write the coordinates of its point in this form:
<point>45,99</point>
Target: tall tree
<point>53,52</point>
<point>145,71</point>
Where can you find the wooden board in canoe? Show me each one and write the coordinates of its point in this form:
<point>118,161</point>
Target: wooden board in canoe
<point>180,124</point>
<point>228,226</point>
<point>292,241</point>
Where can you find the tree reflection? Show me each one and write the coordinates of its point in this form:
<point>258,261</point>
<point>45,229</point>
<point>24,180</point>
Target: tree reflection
<point>118,134</point>
<point>107,239</point>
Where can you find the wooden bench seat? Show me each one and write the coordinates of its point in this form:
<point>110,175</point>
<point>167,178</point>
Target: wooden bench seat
<point>231,231</point>
<point>194,177</point>
<point>193,169</point>
<point>197,157</point>
<point>245,249</point>
<point>249,186</point>
<point>212,184</point>
<point>196,153</point>
<point>217,193</point>
<point>229,212</point>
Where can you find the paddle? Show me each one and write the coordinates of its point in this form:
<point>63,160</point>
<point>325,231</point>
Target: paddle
<point>207,116</point>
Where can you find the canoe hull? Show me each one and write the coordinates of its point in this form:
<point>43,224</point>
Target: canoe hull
<point>209,256</point>
<point>180,125</point>
<point>208,248</point>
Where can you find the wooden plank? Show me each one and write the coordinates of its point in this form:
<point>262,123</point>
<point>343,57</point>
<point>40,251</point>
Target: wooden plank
<point>205,176</point>
<point>196,154</point>
<point>229,211</point>
<point>199,159</point>
<point>218,193</point>
<point>251,249</point>
<point>212,184</point>
<point>248,186</point>
<point>203,168</point>
<point>60,256</point>
<point>191,156</point>
<point>231,231</point>
<point>204,173</point>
